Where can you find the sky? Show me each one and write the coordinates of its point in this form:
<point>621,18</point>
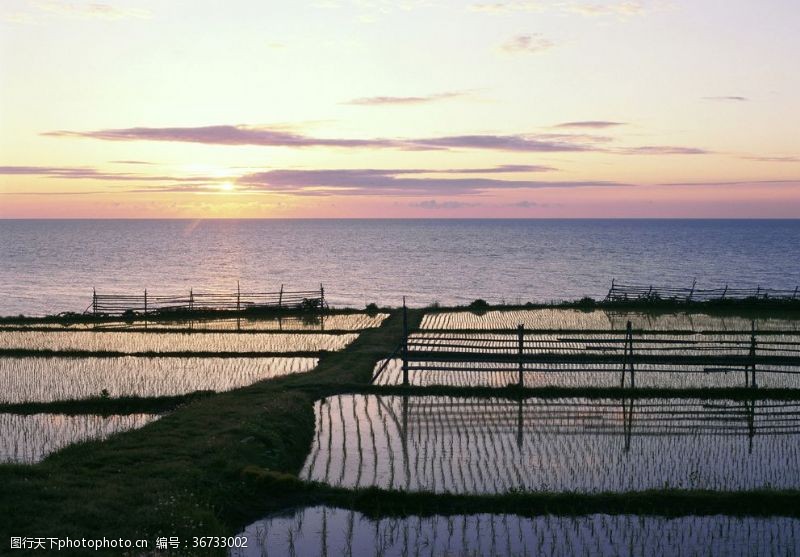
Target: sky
<point>404,108</point>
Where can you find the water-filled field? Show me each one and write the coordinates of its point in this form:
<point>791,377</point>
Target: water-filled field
<point>139,342</point>
<point>607,344</point>
<point>312,322</point>
<point>558,319</point>
<point>478,374</point>
<point>330,531</point>
<point>27,439</point>
<point>50,379</point>
<point>475,445</point>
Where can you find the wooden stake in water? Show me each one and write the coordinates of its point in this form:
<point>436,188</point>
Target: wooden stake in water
<point>753,353</point>
<point>405,343</point>
<point>521,350</point>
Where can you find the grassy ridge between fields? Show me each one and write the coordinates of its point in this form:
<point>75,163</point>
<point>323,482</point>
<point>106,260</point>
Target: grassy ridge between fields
<point>221,461</point>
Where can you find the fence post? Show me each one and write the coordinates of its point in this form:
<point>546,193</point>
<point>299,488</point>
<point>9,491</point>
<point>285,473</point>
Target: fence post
<point>691,292</point>
<point>94,301</point>
<point>630,356</point>
<point>795,292</point>
<point>405,343</point>
<point>191,300</point>
<point>753,383</point>
<point>238,296</point>
<point>145,305</point>
<point>724,291</point>
<point>280,298</point>
<point>627,355</point>
<point>521,350</point>
<point>321,296</point>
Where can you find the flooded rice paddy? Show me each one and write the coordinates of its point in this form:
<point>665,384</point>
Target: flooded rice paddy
<point>490,446</point>
<point>560,319</point>
<point>565,375</point>
<point>329,531</point>
<point>140,342</point>
<point>52,379</point>
<point>334,322</point>
<point>27,439</point>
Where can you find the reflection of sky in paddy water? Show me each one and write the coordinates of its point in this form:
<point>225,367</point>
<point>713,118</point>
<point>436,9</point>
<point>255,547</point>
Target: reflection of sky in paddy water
<point>472,445</point>
<point>330,531</point>
<point>29,438</point>
<point>50,379</point>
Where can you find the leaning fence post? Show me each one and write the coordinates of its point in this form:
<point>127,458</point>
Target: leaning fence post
<point>405,343</point>
<point>280,298</point>
<point>691,292</point>
<point>724,291</point>
<point>521,349</point>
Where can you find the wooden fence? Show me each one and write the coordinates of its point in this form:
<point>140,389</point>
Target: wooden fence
<point>520,351</point>
<point>146,304</point>
<point>627,292</point>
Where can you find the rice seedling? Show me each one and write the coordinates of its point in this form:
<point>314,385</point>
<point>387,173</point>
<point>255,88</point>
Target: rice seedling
<point>30,438</point>
<point>51,379</point>
<point>350,532</point>
<point>490,446</point>
<point>137,342</point>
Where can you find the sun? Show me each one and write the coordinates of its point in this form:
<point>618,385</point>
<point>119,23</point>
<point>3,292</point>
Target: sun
<point>226,186</point>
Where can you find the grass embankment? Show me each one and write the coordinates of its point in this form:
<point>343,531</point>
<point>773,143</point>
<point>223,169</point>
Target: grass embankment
<point>219,462</point>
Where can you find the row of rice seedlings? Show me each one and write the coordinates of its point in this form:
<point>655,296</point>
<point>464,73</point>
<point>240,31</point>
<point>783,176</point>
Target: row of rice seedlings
<point>30,438</point>
<point>576,343</point>
<point>133,342</point>
<point>478,374</point>
<point>488,446</point>
<point>313,322</point>
<point>553,319</point>
<point>51,379</point>
<point>332,531</point>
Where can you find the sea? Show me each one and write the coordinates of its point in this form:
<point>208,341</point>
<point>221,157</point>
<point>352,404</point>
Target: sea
<point>51,266</point>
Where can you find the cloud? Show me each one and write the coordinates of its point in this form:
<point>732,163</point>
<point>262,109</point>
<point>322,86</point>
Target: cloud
<point>378,101</point>
<point>790,182</point>
<point>85,173</point>
<point>664,150</point>
<point>527,44</point>
<point>282,137</point>
<point>728,98</point>
<point>590,124</point>
<point>775,158</point>
<point>433,204</point>
<point>220,135</point>
<point>398,182</point>
<point>622,9</point>
<point>278,137</point>
<point>89,10</point>
<point>131,162</point>
<point>525,204</point>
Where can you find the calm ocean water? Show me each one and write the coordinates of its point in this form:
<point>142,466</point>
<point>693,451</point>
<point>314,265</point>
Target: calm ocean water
<point>51,266</point>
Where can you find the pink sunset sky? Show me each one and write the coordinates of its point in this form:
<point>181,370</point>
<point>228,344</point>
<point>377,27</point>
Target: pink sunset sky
<point>408,108</point>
